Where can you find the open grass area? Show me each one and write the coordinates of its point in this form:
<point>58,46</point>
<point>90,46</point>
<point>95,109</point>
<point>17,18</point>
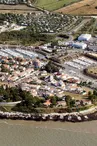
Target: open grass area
<point>5,108</point>
<point>54,4</point>
<point>76,96</point>
<point>79,96</point>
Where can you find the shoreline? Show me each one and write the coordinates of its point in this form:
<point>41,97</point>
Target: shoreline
<point>82,116</point>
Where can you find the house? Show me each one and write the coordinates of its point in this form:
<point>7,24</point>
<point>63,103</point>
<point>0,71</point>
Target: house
<point>2,78</point>
<point>47,103</point>
<point>6,66</point>
<point>71,87</point>
<point>14,78</point>
<point>59,93</point>
<point>79,45</point>
<point>25,86</point>
<point>34,92</point>
<point>73,80</point>
<point>85,102</point>
<point>77,102</point>
<point>61,104</point>
<point>61,83</point>
<point>43,73</point>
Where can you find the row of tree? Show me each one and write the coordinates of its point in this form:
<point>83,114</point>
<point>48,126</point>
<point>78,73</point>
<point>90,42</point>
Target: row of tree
<point>93,96</point>
<point>51,68</point>
<point>25,37</point>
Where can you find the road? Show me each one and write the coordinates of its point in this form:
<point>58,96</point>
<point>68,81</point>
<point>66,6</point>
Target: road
<point>80,25</point>
<point>9,103</point>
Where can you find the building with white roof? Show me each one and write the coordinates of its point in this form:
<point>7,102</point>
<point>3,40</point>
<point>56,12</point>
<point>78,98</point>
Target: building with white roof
<point>79,45</point>
<point>84,37</point>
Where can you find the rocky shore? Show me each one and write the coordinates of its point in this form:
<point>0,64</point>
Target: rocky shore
<point>69,117</point>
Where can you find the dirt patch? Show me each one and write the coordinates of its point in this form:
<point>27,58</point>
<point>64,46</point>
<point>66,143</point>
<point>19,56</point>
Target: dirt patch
<point>85,7</point>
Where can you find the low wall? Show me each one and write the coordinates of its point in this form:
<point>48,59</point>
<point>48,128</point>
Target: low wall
<point>87,115</point>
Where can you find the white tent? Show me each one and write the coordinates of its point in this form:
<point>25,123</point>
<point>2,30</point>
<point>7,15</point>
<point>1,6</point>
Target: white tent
<point>79,45</point>
<point>84,37</point>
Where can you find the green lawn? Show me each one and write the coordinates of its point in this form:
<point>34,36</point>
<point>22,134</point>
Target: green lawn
<point>53,4</point>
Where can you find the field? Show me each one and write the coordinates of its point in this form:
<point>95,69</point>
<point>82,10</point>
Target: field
<point>53,4</point>
<point>79,96</point>
<point>85,7</point>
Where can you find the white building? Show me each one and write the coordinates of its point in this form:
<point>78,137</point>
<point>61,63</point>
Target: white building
<point>49,50</point>
<point>84,37</point>
<point>79,45</point>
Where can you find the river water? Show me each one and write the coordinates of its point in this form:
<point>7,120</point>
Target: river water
<point>28,133</point>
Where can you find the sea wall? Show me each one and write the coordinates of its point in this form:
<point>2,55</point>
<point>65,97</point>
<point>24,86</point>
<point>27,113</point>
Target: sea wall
<point>69,117</point>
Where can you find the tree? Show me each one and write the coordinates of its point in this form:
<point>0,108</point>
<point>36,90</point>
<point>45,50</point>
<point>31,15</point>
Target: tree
<point>89,93</point>
<point>92,96</point>
<point>53,100</point>
<point>4,69</point>
<point>94,92</point>
<point>54,43</point>
<point>89,83</point>
<point>69,101</point>
<point>51,68</point>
